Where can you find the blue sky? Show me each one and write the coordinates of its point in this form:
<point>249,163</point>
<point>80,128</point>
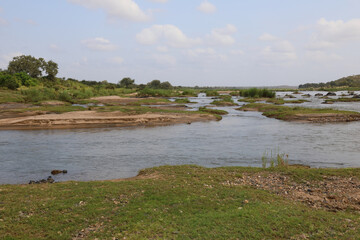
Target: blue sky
<point>197,42</point>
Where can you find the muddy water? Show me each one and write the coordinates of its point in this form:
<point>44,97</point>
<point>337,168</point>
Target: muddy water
<point>240,139</point>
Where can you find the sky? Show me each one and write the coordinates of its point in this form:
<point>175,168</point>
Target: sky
<point>187,42</point>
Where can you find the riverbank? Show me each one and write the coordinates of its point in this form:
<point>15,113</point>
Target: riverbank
<point>189,202</point>
<point>94,119</point>
<point>301,114</point>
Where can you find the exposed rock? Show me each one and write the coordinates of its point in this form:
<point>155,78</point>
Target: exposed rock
<point>319,95</point>
<point>48,180</point>
<point>289,96</point>
<point>306,95</point>
<point>331,94</point>
<point>55,172</point>
<point>332,193</point>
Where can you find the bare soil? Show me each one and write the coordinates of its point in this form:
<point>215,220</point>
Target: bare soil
<point>90,119</point>
<point>332,193</point>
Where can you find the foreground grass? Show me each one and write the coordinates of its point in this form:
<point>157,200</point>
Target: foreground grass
<point>170,202</point>
<point>287,113</point>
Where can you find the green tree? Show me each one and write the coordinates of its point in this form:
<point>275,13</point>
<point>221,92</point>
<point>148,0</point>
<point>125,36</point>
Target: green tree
<point>166,85</point>
<point>154,84</point>
<point>33,67</point>
<point>51,68</point>
<point>126,82</point>
<point>28,64</point>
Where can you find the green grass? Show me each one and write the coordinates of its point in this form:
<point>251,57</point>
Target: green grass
<point>7,96</point>
<point>257,93</point>
<point>150,101</point>
<point>225,100</point>
<point>50,109</point>
<point>182,100</point>
<point>280,101</point>
<point>285,112</point>
<point>213,111</point>
<point>183,202</point>
<point>343,100</point>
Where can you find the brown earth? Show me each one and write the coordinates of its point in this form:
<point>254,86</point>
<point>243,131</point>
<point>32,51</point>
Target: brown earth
<point>332,193</point>
<point>90,119</point>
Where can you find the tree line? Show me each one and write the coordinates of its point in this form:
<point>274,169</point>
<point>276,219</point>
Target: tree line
<point>28,71</point>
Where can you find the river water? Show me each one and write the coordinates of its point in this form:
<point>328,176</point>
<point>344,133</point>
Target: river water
<point>240,139</point>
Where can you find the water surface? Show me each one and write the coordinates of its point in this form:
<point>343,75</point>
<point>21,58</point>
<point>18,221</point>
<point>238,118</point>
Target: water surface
<point>240,139</point>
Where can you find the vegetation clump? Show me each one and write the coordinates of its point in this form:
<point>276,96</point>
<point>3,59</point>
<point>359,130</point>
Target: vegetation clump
<point>213,111</point>
<point>257,93</point>
<point>302,114</point>
<point>225,100</point>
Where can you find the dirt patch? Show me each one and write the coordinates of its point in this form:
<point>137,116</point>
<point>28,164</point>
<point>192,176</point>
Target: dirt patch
<point>10,105</point>
<point>324,117</point>
<point>53,103</point>
<point>331,193</point>
<point>90,119</point>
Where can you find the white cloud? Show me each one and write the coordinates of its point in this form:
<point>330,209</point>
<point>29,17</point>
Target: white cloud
<point>164,59</point>
<point>237,52</point>
<point>329,34</point>
<point>169,34</point>
<point>322,56</point>
<point>279,52</point>
<point>201,51</point>
<point>117,60</point>
<point>54,47</point>
<point>207,53</point>
<point>162,48</point>
<point>267,37</point>
<point>99,43</point>
<point>223,36</point>
<point>206,7</point>
<point>123,9</point>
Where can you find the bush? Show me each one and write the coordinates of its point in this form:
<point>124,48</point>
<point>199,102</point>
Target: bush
<point>9,81</point>
<point>149,92</point>
<point>65,96</point>
<point>257,93</point>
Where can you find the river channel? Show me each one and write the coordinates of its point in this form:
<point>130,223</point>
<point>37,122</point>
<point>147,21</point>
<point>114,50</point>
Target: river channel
<point>240,139</point>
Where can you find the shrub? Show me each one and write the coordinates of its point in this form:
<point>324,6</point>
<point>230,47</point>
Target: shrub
<point>257,93</point>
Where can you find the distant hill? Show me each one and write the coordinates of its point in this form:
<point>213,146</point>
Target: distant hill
<point>350,81</point>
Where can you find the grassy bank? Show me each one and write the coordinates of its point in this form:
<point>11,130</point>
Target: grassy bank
<point>302,114</point>
<point>179,202</point>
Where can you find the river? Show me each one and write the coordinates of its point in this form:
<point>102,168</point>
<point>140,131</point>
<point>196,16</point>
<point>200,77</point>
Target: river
<point>240,139</point>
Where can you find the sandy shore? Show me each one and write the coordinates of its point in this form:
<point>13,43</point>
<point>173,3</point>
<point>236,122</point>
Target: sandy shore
<point>91,119</point>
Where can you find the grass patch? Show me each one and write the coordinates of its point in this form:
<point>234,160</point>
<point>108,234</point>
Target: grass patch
<point>225,100</point>
<point>343,100</point>
<point>179,202</point>
<point>182,100</point>
<point>10,96</point>
<point>150,101</point>
<point>280,101</point>
<point>257,93</point>
<point>288,113</point>
<point>213,111</point>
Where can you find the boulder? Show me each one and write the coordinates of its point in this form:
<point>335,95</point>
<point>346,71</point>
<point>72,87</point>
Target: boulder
<point>56,172</point>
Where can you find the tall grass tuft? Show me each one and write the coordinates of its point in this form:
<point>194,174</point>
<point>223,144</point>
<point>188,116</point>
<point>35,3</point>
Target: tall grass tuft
<point>257,93</point>
<point>275,158</point>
